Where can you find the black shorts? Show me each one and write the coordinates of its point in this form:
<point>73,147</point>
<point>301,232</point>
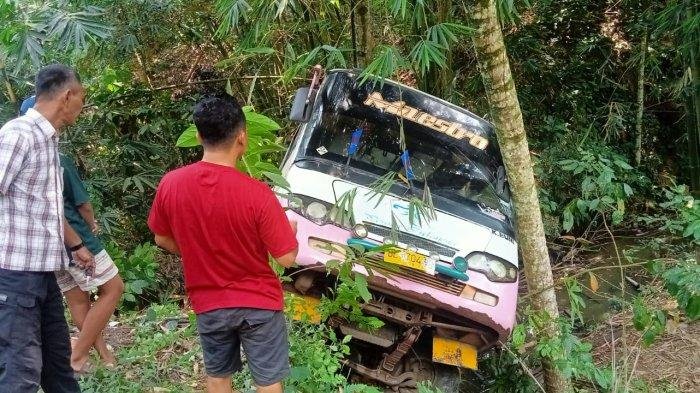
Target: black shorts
<point>263,334</point>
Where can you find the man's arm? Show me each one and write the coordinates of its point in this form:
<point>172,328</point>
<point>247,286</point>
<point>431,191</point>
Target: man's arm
<point>288,259</point>
<point>277,233</point>
<point>13,151</point>
<point>88,214</point>
<point>168,244</point>
<point>82,256</point>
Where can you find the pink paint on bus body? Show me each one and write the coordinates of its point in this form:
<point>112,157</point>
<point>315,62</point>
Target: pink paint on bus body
<point>500,317</point>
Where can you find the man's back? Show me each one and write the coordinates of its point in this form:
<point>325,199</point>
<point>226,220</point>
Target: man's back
<point>225,224</point>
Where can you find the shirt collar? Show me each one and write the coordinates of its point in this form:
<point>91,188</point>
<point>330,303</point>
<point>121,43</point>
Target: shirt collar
<point>44,125</point>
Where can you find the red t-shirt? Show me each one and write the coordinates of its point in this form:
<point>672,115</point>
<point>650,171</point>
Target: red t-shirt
<point>225,224</point>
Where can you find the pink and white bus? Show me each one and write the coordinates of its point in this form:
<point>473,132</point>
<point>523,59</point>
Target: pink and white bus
<point>427,177</point>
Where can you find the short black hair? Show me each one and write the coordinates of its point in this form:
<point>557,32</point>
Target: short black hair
<point>218,119</point>
<point>52,78</point>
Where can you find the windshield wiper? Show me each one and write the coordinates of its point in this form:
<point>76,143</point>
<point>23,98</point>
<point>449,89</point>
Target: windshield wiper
<point>354,146</point>
<point>406,161</point>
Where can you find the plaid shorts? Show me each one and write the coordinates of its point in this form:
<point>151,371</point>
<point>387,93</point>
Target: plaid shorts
<point>74,276</point>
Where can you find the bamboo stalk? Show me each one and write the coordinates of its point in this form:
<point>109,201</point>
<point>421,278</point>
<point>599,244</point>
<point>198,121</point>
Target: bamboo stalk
<point>510,130</point>
<point>143,69</point>
<point>639,127</point>
<point>694,111</point>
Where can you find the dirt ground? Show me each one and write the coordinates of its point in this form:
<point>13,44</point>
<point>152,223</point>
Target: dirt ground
<point>672,360</point>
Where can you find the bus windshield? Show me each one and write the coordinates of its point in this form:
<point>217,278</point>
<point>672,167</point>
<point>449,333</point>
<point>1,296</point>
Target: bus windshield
<point>436,160</point>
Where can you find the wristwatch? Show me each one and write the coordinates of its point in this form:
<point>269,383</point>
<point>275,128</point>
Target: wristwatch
<point>77,247</point>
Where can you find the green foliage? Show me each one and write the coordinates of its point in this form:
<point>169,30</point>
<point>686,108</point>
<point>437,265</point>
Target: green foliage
<point>427,387</point>
<point>33,27</point>
<point>426,53</point>
<point>570,354</point>
<point>578,304</point>
<point>315,354</point>
<point>137,269</point>
<point>351,290</point>
<point>262,141</point>
<point>683,282</point>
<point>604,186</point>
<point>162,354</point>
<point>386,63</point>
<point>231,14</point>
<point>687,211</point>
<point>165,354</point>
<point>651,323</point>
<point>681,213</point>
<point>327,55</point>
<point>507,374</point>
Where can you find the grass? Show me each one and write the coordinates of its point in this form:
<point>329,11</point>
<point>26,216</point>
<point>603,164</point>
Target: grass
<point>162,354</point>
<point>158,350</point>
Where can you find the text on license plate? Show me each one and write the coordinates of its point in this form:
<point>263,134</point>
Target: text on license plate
<point>406,258</point>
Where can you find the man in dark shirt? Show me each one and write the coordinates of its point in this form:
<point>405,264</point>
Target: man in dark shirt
<point>76,283</point>
<point>225,225</point>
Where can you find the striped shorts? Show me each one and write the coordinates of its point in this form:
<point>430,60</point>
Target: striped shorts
<point>73,276</point>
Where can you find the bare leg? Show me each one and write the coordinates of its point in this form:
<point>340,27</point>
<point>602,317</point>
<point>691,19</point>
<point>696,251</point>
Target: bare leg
<point>219,385</point>
<point>95,320</point>
<point>274,388</point>
<point>79,305</point>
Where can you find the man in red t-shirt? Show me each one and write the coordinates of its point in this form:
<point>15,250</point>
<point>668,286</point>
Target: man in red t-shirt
<point>224,224</point>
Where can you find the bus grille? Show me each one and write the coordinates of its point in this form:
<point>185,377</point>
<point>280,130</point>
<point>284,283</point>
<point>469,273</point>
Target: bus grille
<point>409,239</point>
<point>450,286</point>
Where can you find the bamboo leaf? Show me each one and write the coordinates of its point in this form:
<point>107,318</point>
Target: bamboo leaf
<point>398,7</point>
<point>387,61</point>
<point>231,13</point>
<point>277,179</point>
<point>446,33</point>
<point>426,53</point>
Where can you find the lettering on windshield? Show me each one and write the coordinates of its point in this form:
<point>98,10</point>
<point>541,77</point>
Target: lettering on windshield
<point>453,129</point>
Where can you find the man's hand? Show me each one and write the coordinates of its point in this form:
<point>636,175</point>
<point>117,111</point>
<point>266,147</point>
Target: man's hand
<point>168,244</point>
<point>94,227</point>
<point>84,258</point>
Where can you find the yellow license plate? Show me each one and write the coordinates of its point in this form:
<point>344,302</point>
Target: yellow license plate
<point>406,258</point>
<point>454,353</point>
<point>304,308</point>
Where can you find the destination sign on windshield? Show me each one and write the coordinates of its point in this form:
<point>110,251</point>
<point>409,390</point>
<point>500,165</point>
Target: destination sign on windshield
<point>453,129</point>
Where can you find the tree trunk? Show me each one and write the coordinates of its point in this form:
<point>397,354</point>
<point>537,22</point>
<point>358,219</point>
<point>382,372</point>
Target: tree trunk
<point>508,119</point>
<point>366,40</point>
<point>694,111</point>
<point>640,99</point>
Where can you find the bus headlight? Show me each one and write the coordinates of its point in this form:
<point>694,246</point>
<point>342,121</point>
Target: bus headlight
<point>316,212</point>
<point>359,231</point>
<point>494,268</point>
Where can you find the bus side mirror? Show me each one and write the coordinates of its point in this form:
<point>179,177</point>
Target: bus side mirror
<point>303,103</point>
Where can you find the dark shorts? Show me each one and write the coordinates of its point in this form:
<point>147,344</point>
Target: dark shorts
<point>263,334</point>
<point>34,341</point>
